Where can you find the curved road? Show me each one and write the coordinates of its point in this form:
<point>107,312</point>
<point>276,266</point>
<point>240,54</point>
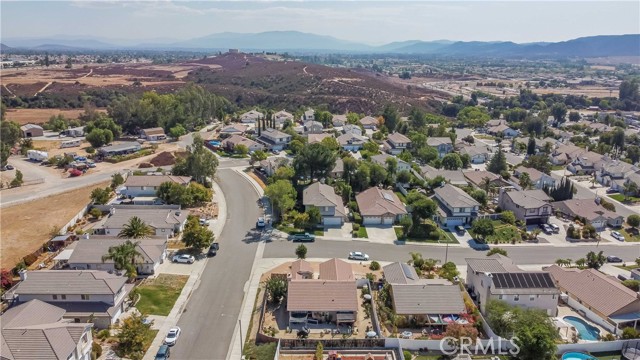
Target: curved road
<point>211,313</point>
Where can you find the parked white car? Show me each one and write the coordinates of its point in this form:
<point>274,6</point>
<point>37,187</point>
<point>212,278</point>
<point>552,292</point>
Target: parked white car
<point>357,255</point>
<point>616,235</point>
<point>184,258</point>
<point>172,336</point>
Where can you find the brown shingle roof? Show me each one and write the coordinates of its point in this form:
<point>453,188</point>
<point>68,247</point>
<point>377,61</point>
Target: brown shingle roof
<point>377,202</point>
<point>153,131</point>
<point>396,138</point>
<point>318,194</point>
<point>300,267</point>
<point>68,282</point>
<point>336,269</point>
<point>322,295</point>
<point>434,297</point>
<point>455,197</point>
<point>492,264</point>
<point>586,208</point>
<point>597,290</point>
<point>156,180</point>
<point>368,120</point>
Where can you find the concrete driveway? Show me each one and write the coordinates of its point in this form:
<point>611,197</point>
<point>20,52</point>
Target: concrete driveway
<point>381,234</point>
<point>339,233</point>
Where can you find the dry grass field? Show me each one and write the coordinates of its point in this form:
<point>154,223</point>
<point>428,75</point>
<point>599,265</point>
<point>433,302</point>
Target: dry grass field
<point>40,116</point>
<point>25,227</point>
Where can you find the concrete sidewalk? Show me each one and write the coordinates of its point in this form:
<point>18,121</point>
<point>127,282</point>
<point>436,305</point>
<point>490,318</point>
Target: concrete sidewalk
<point>164,323</point>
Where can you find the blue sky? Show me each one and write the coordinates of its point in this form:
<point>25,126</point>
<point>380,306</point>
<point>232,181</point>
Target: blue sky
<point>374,22</point>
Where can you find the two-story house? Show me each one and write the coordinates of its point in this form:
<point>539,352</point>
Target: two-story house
<point>165,220</point>
<point>538,179</point>
<point>230,143</point>
<point>396,143</point>
<point>351,142</point>
<point>369,123</point>
<point>496,277</point>
<point>587,163</point>
<point>381,159</point>
<point>339,120</point>
<point>281,117</point>
<point>352,129</point>
<point>380,207</point>
<point>84,294</point>
<point>37,330</point>
<point>313,127</point>
<point>530,206</point>
<point>274,140</point>
<point>251,116</point>
<point>148,185</point>
<point>309,115</point>
<point>477,154</point>
<point>442,144</point>
<point>455,207</point>
<point>325,199</point>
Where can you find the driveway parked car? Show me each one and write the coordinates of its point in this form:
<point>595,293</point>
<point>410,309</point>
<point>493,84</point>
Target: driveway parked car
<point>163,353</point>
<point>172,336</point>
<point>613,259</point>
<point>306,237</point>
<point>546,229</point>
<point>357,255</point>
<point>213,249</point>
<point>618,236</point>
<point>184,258</point>
<point>555,228</point>
<point>459,229</point>
<point>260,223</point>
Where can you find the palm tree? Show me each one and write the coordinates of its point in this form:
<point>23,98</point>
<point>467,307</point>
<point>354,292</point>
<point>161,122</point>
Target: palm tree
<point>595,261</point>
<point>485,184</point>
<point>581,263</point>
<point>136,229</point>
<point>525,181</point>
<point>630,188</point>
<point>124,257</point>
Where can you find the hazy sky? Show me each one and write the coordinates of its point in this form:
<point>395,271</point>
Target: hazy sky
<point>368,22</point>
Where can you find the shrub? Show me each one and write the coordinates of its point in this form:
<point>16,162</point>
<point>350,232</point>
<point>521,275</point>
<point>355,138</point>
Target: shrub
<point>374,266</point>
<point>407,354</point>
<point>630,333</point>
<point>96,350</point>
<point>96,213</point>
<point>103,334</point>
<point>90,150</point>
<point>357,218</point>
<point>356,227</point>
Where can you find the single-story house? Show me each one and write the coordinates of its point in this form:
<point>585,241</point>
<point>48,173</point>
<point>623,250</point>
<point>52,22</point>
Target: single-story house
<point>602,298</point>
<point>477,154</point>
<point>530,206</point>
<point>272,164</point>
<point>338,169</point>
<point>317,138</point>
<point>234,140</point>
<point>380,207</point>
<point>351,142</point>
<point>120,149</point>
<point>153,134</point>
<point>31,130</point>
<point>166,220</point>
<point>503,130</point>
<point>369,122</point>
<point>300,269</point>
<point>313,127</point>
<point>595,214</point>
<point>432,302</point>
<point>148,185</point>
<point>538,179</point>
<point>477,178</point>
<point>352,129</point>
<point>325,199</point>
<point>234,129</point>
<point>442,144</point>
<point>339,120</point>
<point>251,116</point>
<point>454,177</point>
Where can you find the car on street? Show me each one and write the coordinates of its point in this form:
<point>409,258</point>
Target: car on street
<point>163,353</point>
<point>618,236</point>
<point>172,336</point>
<point>306,237</point>
<point>260,223</point>
<point>459,229</point>
<point>613,259</point>
<point>546,229</point>
<point>555,228</point>
<point>184,258</point>
<point>357,255</point>
<point>213,249</point>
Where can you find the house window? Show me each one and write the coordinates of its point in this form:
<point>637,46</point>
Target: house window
<point>84,297</point>
<point>532,297</point>
<point>63,297</point>
<point>499,297</point>
<point>516,297</point>
<point>553,296</point>
<point>55,297</point>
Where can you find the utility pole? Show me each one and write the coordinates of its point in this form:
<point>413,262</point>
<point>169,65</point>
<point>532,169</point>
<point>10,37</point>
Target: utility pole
<point>241,342</point>
<point>446,253</point>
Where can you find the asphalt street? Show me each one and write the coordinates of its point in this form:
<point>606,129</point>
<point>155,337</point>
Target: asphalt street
<point>212,311</point>
<point>537,254</point>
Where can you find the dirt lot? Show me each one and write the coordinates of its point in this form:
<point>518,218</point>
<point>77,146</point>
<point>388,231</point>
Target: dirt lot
<point>25,227</point>
<point>40,116</point>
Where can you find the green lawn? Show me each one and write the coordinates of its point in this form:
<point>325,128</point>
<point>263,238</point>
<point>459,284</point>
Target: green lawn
<point>620,198</point>
<point>628,236</point>
<point>362,232</point>
<point>149,339</point>
<point>558,167</point>
<point>629,267</point>
<point>445,237</point>
<point>504,233</point>
<point>158,295</point>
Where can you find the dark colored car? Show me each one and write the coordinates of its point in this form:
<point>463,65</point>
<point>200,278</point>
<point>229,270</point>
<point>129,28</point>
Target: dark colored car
<point>213,249</point>
<point>459,229</point>
<point>163,353</point>
<point>613,259</point>
<point>306,237</point>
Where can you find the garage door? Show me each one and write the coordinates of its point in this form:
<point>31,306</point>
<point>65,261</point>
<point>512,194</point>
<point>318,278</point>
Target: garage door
<point>372,220</point>
<point>387,221</point>
<point>329,221</point>
<point>534,221</point>
<point>454,221</point>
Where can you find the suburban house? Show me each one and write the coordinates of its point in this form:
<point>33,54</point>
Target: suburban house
<point>454,177</point>
<point>251,116</point>
<point>530,206</point>
<point>83,294</point>
<point>380,207</point>
<point>600,297</point>
<point>37,330</point>
<point>442,144</point>
<point>166,220</point>
<point>614,170</point>
<point>538,179</point>
<point>381,159</point>
<point>351,142</point>
<point>565,153</point>
<point>270,165</point>
<point>339,120</point>
<point>317,138</point>
<point>502,130</point>
<point>31,130</point>
<point>512,159</point>
<point>328,203</point>
<point>274,139</point>
<point>234,129</point>
<point>587,163</point>
<point>231,142</point>
<point>333,297</point>
<point>401,273</point>
<point>338,169</point>
<point>477,178</point>
<point>369,122</point>
<point>281,116</point>
<point>87,254</point>
<point>147,185</point>
<point>396,143</point>
<point>153,134</point>
<point>494,122</point>
<point>309,115</point>
<point>455,207</point>
<point>541,144</point>
<point>587,209</point>
<point>352,129</point>
<point>496,277</point>
<point>119,149</point>
<point>430,302</point>
<point>477,154</point>
<point>313,127</point>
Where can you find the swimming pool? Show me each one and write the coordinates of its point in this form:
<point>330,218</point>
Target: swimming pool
<point>586,331</point>
<point>577,356</point>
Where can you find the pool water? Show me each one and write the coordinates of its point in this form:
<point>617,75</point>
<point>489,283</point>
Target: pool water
<point>586,331</point>
<point>577,356</point>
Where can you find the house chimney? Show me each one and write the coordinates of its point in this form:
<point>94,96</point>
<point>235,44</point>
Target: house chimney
<point>23,274</point>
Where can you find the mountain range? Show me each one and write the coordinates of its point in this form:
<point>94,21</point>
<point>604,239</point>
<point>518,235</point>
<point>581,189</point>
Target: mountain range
<point>294,41</point>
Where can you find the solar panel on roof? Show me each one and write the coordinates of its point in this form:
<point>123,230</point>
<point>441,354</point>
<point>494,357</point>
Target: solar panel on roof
<point>522,280</point>
<point>387,196</point>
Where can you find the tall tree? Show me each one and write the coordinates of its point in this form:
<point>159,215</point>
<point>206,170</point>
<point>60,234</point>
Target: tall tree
<point>559,111</point>
<point>315,161</point>
<point>451,161</point>
<point>282,195</point>
<point>199,164</point>
<point>525,180</point>
<point>196,236</point>
<point>124,257</point>
<point>391,117</point>
<point>595,260</point>
<point>482,228</point>
<point>135,228</point>
<point>498,163</point>
<point>531,146</point>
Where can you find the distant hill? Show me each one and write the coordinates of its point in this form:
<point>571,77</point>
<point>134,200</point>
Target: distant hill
<point>4,47</point>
